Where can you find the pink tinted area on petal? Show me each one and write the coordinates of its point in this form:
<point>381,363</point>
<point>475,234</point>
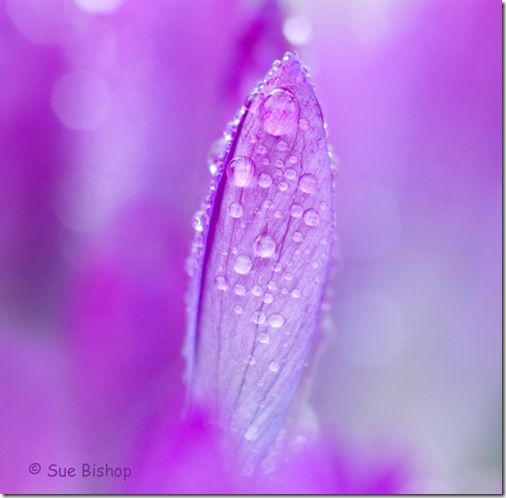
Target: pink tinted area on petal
<point>260,280</point>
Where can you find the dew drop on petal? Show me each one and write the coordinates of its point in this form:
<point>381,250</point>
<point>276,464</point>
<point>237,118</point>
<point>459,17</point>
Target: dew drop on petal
<point>264,338</point>
<point>290,174</point>
<point>264,246</point>
<point>296,211</point>
<point>250,360</point>
<point>264,180</point>
<point>235,210</point>
<point>256,290</point>
<point>292,159</point>
<point>282,146</point>
<point>311,217</point>
<point>198,222</point>
<point>283,186</point>
<point>261,149</point>
<point>268,298</point>
<point>221,283</point>
<point>274,366</point>
<point>308,184</point>
<point>242,264</point>
<point>279,112</point>
<point>297,236</point>
<point>241,170</point>
<point>304,124</point>
<point>258,317</point>
<point>251,434</point>
<point>276,320</point>
<point>240,290</point>
<point>295,293</point>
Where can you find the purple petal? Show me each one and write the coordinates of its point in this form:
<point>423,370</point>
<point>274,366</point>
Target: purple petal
<point>261,260</point>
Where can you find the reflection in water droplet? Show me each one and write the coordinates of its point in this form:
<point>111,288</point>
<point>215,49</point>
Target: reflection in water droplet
<point>241,170</point>
<point>264,180</point>
<point>279,112</point>
<point>264,246</point>
<point>308,184</point>
<point>221,283</point>
<point>296,210</point>
<point>311,217</point>
<point>242,264</point>
<point>276,320</point>
<point>235,210</point>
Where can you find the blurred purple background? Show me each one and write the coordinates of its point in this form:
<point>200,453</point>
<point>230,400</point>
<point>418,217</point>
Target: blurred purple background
<point>107,112</point>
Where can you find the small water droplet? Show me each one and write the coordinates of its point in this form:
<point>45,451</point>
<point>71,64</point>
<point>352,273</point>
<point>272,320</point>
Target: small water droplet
<point>241,170</point>
<point>282,146</point>
<point>288,277</point>
<point>250,360</point>
<point>240,290</point>
<point>283,186</point>
<point>297,237</point>
<point>251,434</point>
<point>272,286</point>
<point>264,338</point>
<point>290,174</point>
<point>311,217</point>
<point>278,214</point>
<point>198,221</point>
<point>268,298</point>
<point>308,184</point>
<point>284,291</point>
<point>323,205</point>
<point>264,246</point>
<point>279,163</point>
<point>238,309</point>
<point>277,267</point>
<point>293,159</point>
<point>276,320</point>
<point>295,293</point>
<point>279,112</point>
<point>235,210</point>
<point>296,210</point>
<point>221,283</point>
<point>242,264</point>
<point>315,265</point>
<point>304,124</point>
<point>274,366</point>
<point>265,161</point>
<point>256,290</point>
<point>261,149</point>
<point>258,317</point>
<point>264,180</point>
<point>267,204</point>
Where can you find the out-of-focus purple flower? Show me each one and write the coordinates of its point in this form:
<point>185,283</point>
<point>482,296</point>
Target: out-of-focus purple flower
<point>262,254</point>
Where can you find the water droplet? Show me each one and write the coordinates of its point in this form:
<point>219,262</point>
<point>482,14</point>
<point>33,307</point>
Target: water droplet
<point>282,146</point>
<point>296,210</point>
<point>308,184</point>
<point>267,204</point>
<point>238,309</point>
<point>216,154</point>
<point>315,265</point>
<point>278,214</point>
<point>272,286</point>
<point>240,290</point>
<point>323,205</point>
<point>276,320</point>
<point>311,217</point>
<point>221,283</point>
<point>241,170</point>
<point>198,221</point>
<point>261,149</point>
<point>304,124</point>
<point>290,174</point>
<point>268,298</point>
<point>297,237</point>
<point>264,246</point>
<point>280,112</point>
<point>235,210</point>
<point>279,163</point>
<point>256,290</point>
<point>250,360</point>
<point>264,338</point>
<point>288,277</point>
<point>283,186</point>
<point>265,161</point>
<point>295,293</point>
<point>274,366</point>
<point>242,264</point>
<point>251,434</point>
<point>293,159</point>
<point>258,317</point>
<point>277,267</point>
<point>264,180</point>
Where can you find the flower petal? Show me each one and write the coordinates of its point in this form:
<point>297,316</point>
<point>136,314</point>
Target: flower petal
<point>261,261</point>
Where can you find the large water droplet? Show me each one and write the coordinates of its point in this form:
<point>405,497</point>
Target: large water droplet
<point>296,210</point>
<point>264,246</point>
<point>311,217</point>
<point>242,264</point>
<point>241,170</point>
<point>308,184</point>
<point>279,112</point>
<point>276,320</point>
<point>264,180</point>
<point>235,210</point>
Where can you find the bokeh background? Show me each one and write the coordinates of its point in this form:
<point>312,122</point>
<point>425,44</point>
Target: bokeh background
<point>107,112</point>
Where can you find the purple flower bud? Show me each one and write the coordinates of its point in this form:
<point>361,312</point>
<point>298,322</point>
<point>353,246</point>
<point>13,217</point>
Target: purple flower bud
<point>260,262</point>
